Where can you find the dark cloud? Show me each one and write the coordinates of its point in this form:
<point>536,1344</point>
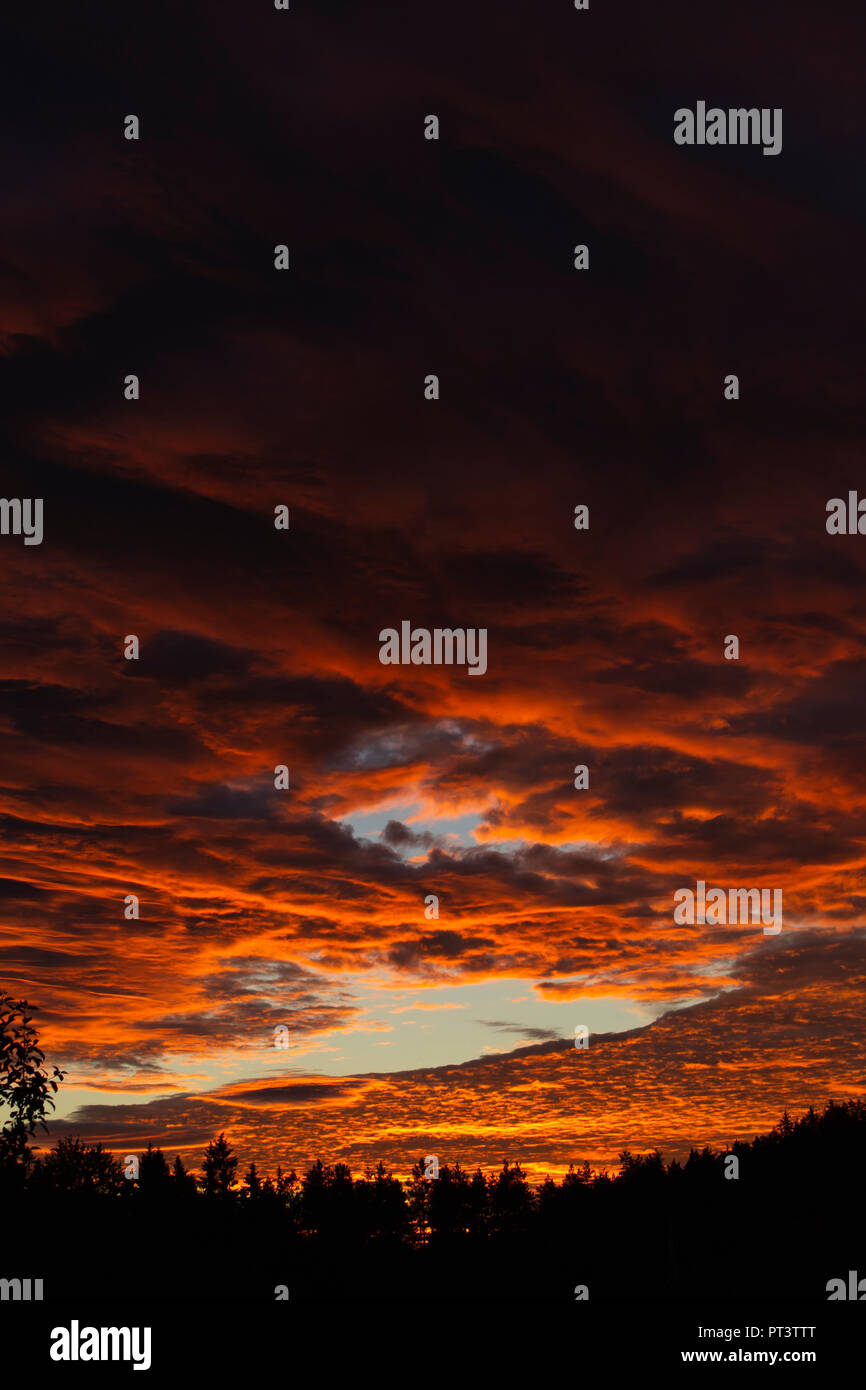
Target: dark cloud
<point>533,1034</point>
<point>440,945</point>
<point>181,657</point>
<point>399,836</point>
<point>296,1093</point>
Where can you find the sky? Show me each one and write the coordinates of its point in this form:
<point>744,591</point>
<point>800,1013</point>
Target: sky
<point>304,907</point>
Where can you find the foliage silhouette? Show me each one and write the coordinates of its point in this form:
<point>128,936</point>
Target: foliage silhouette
<point>791,1221</point>
<point>25,1087</point>
<point>218,1168</point>
<point>788,1224</point>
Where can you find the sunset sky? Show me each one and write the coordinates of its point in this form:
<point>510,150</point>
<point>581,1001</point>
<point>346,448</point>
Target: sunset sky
<point>260,647</point>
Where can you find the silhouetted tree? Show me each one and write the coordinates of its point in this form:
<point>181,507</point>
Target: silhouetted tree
<point>252,1184</point>
<point>644,1170</point>
<point>479,1214</point>
<point>328,1202</point>
<point>26,1089</point>
<point>510,1200</point>
<point>618,1234</point>
<point>385,1213</point>
<point>154,1175</point>
<point>285,1185</point>
<point>73,1166</point>
<point>183,1181</point>
<point>450,1206</point>
<point>218,1168</point>
<point>418,1198</point>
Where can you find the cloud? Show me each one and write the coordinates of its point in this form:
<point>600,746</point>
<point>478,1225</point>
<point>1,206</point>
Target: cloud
<point>532,1034</point>
<point>787,1032</point>
<point>260,648</point>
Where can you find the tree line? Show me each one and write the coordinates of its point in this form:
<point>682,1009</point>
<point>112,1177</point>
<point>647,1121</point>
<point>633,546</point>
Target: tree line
<point>777,1216</point>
